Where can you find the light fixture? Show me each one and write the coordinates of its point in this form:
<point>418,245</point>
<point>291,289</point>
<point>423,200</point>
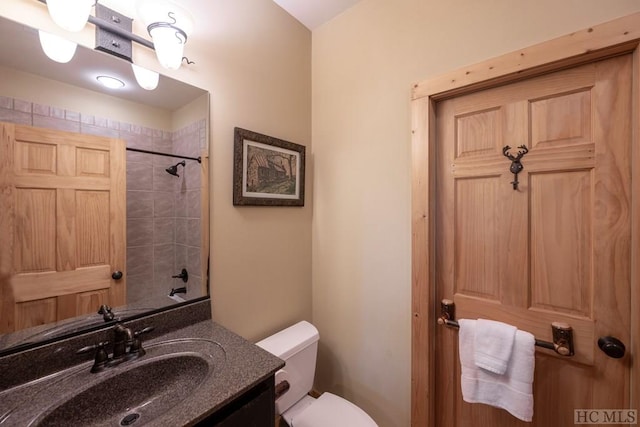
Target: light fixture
<point>110,82</point>
<point>57,48</point>
<point>147,79</point>
<point>71,15</point>
<point>169,25</point>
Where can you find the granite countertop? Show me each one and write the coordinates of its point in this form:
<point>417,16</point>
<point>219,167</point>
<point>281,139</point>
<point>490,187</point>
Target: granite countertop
<point>244,366</point>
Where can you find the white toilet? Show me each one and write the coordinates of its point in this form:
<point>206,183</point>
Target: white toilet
<point>297,346</point>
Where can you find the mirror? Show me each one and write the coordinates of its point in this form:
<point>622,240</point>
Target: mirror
<point>165,228</point>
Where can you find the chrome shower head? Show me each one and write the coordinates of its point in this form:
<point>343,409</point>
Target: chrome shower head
<point>173,170</point>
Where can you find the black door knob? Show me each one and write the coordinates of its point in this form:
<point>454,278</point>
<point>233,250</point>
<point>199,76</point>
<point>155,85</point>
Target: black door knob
<point>117,275</point>
<point>612,347</point>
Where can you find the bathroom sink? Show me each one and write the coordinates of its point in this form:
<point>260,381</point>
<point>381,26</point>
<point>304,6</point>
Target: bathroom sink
<point>132,396</point>
<point>132,393</point>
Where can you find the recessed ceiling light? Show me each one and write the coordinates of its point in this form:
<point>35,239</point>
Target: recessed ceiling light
<point>110,82</point>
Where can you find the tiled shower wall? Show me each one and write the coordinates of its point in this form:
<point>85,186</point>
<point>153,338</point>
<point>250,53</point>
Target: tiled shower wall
<point>163,211</point>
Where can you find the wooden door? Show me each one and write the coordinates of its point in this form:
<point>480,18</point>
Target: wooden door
<point>555,249</point>
<point>63,225</point>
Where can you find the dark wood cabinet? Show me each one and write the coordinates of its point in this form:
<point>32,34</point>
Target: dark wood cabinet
<point>255,408</point>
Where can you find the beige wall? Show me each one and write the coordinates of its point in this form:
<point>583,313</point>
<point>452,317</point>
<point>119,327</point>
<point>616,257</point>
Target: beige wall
<point>255,60</point>
<point>364,63</point>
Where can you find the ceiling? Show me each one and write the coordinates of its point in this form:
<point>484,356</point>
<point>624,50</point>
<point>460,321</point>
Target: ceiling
<point>313,13</point>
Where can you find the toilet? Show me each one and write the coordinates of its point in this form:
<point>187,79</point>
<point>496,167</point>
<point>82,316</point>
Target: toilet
<point>297,345</point>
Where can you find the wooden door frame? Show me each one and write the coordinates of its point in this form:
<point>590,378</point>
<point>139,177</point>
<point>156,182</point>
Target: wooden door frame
<point>598,42</point>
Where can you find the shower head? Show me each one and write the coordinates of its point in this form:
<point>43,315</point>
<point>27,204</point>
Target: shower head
<point>173,170</point>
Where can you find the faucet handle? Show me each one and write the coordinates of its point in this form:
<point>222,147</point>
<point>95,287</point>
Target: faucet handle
<point>106,312</point>
<point>136,349</point>
<point>146,330</point>
<point>101,358</point>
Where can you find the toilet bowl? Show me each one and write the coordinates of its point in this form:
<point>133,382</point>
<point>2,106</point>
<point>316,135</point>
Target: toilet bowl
<point>297,345</point>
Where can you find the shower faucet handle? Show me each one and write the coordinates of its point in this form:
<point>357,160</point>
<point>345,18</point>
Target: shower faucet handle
<point>184,275</point>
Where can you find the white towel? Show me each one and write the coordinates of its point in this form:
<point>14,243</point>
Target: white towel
<point>494,342</point>
<point>512,391</point>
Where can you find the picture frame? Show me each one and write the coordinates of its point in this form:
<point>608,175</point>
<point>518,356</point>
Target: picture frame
<point>267,171</point>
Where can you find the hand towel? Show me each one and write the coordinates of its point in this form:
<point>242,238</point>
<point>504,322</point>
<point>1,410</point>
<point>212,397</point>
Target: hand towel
<point>512,391</point>
<point>493,344</point>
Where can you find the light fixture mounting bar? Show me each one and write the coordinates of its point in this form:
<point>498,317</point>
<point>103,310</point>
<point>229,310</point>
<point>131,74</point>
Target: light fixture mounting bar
<point>106,25</point>
<point>109,41</point>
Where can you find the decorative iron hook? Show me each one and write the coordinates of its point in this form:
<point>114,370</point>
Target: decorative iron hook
<point>516,166</point>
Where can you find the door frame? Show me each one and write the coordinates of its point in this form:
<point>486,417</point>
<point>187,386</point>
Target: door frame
<point>595,43</point>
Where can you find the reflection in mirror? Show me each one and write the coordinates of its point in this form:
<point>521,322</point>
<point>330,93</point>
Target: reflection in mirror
<point>68,147</point>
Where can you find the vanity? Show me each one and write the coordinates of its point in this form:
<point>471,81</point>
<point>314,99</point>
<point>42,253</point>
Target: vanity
<point>193,372</point>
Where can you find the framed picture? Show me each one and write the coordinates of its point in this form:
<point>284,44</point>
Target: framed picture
<point>267,171</point>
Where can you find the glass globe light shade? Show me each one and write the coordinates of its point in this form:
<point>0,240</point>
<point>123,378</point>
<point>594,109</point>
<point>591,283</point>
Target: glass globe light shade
<point>147,79</point>
<point>169,24</point>
<point>169,45</point>
<point>57,48</point>
<point>71,15</point>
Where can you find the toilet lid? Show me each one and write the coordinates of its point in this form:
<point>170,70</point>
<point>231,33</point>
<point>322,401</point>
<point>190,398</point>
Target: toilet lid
<point>334,411</point>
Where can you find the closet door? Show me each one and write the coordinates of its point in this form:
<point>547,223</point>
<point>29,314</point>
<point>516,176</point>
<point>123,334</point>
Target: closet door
<point>554,249</point>
<point>63,225</point>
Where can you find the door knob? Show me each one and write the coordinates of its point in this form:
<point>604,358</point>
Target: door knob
<point>117,275</point>
<point>611,346</point>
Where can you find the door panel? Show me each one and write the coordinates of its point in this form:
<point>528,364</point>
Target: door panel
<point>561,240</point>
<point>65,194</point>
<point>557,249</point>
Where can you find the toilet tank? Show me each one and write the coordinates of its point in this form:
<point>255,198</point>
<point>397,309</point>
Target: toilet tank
<point>297,345</point>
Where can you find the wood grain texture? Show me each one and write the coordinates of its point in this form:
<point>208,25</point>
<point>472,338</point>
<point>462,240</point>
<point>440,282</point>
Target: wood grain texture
<point>561,240</point>
<point>35,313</point>
<point>7,227</point>
<point>65,197</point>
<point>606,40</point>
<point>35,230</point>
<point>578,222</point>
<point>34,286</point>
<point>635,232</point>
<point>117,220</point>
<point>612,223</point>
<point>92,232</point>
<point>88,301</point>
<point>66,241</point>
<point>422,293</point>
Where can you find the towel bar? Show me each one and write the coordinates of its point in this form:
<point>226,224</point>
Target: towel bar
<point>562,332</point>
